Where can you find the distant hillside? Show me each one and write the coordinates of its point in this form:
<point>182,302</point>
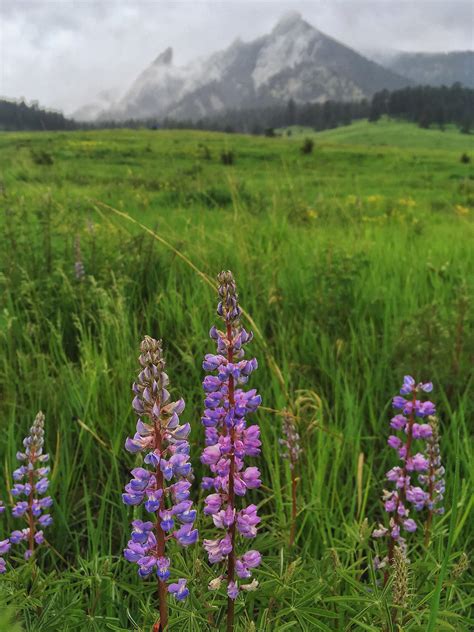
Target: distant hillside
<point>392,133</point>
<point>424,105</point>
<point>434,69</point>
<point>295,61</point>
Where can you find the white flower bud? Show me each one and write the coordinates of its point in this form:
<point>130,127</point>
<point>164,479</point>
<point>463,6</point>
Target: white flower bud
<point>250,587</point>
<point>215,584</point>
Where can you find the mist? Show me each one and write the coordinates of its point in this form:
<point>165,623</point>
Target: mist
<point>65,53</point>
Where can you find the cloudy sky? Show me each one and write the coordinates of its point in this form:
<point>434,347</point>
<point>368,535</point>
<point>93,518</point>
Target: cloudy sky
<point>64,52</point>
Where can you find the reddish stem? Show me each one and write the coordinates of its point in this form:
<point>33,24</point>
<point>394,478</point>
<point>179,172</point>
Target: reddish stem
<point>160,537</point>
<point>231,497</point>
<point>401,493</point>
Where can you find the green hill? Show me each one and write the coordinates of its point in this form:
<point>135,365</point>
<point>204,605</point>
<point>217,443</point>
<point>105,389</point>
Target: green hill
<point>390,133</point>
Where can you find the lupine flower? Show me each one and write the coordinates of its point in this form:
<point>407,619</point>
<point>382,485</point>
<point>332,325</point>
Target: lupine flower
<point>179,590</point>
<point>5,546</point>
<point>228,441</point>
<point>291,441</point>
<point>406,496</point>
<point>434,477</point>
<point>433,480</point>
<point>163,484</point>
<point>32,483</point>
<point>292,452</point>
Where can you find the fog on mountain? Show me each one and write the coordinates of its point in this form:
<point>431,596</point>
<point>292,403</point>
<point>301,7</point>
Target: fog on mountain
<point>294,61</point>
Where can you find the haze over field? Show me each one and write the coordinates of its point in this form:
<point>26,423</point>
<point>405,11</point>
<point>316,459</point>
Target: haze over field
<point>295,176</point>
<point>81,49</point>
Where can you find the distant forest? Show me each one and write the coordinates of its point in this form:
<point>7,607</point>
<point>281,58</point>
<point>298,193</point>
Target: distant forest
<point>427,106</point>
<point>18,116</point>
<point>424,105</point>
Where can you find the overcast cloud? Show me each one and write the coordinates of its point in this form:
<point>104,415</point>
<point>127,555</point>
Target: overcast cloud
<point>64,52</point>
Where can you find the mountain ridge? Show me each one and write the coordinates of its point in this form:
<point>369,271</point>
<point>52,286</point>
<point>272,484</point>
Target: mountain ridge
<point>294,61</point>
<point>436,69</point>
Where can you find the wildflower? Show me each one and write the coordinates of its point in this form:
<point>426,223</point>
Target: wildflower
<point>408,202</point>
<point>250,587</point>
<point>379,563</point>
<point>216,583</point>
<point>461,210</point>
<point>179,590</point>
<point>291,441</point>
<point>232,590</point>
<point>163,486</point>
<point>32,483</point>
<point>5,546</point>
<point>380,532</point>
<point>406,495</point>
<point>229,440</point>
<point>374,199</point>
<point>433,478</point>
<point>249,560</point>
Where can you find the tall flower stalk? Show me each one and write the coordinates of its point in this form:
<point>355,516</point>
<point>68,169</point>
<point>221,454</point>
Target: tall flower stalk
<point>292,452</point>
<point>406,495</point>
<point>5,546</point>
<point>164,485</point>
<point>228,441</point>
<point>433,479</point>
<point>31,483</point>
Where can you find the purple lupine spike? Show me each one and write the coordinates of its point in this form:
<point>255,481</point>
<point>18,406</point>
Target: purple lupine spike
<point>406,495</point>
<point>291,441</point>
<point>163,486</point>
<point>434,477</point>
<point>32,483</point>
<point>5,546</point>
<point>292,452</point>
<point>228,441</point>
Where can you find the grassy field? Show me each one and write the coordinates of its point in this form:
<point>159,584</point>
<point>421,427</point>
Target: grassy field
<point>355,263</point>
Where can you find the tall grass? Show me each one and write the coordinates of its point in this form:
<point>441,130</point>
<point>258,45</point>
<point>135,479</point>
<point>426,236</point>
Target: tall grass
<point>348,295</point>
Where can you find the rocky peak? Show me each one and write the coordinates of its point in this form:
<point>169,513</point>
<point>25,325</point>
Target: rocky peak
<point>289,22</point>
<point>165,58</point>
<point>294,60</point>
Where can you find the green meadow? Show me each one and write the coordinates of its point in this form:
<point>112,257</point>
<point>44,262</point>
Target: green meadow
<point>355,266</point>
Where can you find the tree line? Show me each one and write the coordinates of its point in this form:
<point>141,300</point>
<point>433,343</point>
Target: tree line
<point>427,106</point>
<point>424,105</point>
<point>19,116</point>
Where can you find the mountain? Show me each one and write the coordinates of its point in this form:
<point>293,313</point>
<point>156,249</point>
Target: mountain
<point>91,111</point>
<point>294,61</point>
<point>435,69</point>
